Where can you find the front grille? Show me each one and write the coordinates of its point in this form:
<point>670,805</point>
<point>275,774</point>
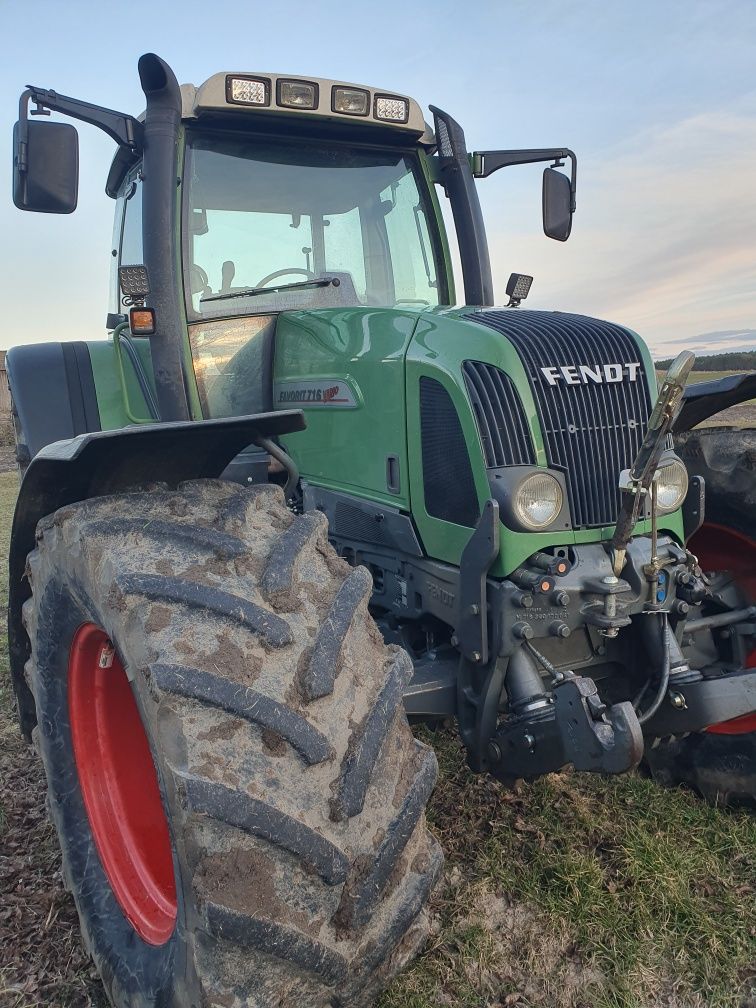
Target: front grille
<point>447,474</point>
<point>501,419</point>
<point>591,430</point>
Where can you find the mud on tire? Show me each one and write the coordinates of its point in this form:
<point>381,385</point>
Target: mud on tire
<point>293,788</point>
<point>720,767</point>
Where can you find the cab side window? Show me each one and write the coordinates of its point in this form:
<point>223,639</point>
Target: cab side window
<point>131,253</point>
<point>127,235</point>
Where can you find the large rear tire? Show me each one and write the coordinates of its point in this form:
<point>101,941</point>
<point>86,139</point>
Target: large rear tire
<point>238,797</point>
<point>719,764</point>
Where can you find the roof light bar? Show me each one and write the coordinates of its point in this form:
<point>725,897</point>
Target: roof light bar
<point>248,90</point>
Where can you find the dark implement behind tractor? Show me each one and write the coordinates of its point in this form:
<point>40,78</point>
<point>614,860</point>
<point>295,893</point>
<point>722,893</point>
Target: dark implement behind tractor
<point>297,496</point>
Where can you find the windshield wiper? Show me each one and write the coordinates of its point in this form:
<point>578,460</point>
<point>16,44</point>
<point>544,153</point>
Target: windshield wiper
<point>254,291</point>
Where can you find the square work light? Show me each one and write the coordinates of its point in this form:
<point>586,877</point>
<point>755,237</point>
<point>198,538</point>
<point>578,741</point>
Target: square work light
<point>134,283</point>
<point>248,90</point>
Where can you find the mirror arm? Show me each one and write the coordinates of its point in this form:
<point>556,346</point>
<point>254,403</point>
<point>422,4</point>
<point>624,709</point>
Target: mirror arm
<point>485,163</point>
<point>124,129</point>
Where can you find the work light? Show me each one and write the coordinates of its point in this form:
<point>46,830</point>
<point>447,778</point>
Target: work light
<point>350,101</point>
<point>538,500</point>
<point>297,94</point>
<point>391,109</point>
<point>518,288</point>
<point>134,282</point>
<point>671,486</point>
<point>248,90</point>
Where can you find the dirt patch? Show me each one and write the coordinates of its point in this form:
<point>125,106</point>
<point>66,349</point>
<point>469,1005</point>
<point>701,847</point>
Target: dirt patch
<point>743,415</point>
<point>522,958</point>
<point>245,878</point>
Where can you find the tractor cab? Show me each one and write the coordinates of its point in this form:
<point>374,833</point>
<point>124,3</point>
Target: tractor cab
<point>295,194</point>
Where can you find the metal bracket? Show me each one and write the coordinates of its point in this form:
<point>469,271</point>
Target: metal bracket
<point>692,706</point>
<point>694,506</point>
<point>477,559</point>
<point>127,131</point>
<point>596,738</point>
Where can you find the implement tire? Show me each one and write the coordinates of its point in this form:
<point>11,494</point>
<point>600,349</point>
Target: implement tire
<point>720,763</point>
<point>237,793</point>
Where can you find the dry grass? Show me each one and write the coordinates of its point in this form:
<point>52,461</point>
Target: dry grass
<point>575,892</point>
<point>585,892</point>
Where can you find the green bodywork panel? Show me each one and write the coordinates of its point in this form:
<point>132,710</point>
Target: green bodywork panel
<point>382,354</point>
<point>108,389</point>
<point>346,448</point>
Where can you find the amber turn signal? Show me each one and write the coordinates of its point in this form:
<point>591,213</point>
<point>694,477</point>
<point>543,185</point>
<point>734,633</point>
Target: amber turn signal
<point>142,321</point>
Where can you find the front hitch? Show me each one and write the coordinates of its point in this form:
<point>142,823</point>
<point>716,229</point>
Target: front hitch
<point>575,727</point>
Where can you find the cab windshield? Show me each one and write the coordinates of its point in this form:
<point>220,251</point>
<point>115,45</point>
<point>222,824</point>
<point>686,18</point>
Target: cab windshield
<point>273,213</point>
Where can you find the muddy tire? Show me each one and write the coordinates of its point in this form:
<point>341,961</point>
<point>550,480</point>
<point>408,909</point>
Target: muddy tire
<point>719,764</point>
<point>252,715</point>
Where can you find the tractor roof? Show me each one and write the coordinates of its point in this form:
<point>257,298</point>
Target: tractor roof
<point>266,94</point>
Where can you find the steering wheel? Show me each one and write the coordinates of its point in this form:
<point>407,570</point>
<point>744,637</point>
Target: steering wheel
<point>286,272</point>
<point>198,280</point>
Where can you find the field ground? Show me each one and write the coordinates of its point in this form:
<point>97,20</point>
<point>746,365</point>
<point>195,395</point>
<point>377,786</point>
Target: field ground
<point>575,892</point>
<point>743,415</point>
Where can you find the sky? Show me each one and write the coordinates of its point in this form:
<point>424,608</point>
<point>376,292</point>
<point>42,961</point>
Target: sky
<point>658,100</point>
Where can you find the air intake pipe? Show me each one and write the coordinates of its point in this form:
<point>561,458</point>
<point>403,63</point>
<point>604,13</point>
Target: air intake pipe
<point>161,255</point>
<point>458,181</point>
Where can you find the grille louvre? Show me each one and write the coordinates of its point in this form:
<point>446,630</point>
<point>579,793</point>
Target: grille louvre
<point>447,474</point>
<point>591,431</point>
<point>501,419</point>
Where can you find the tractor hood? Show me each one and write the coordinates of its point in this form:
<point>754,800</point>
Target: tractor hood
<point>424,411</point>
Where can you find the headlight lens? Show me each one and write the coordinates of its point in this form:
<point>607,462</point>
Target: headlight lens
<point>671,487</point>
<point>538,500</point>
<point>350,101</point>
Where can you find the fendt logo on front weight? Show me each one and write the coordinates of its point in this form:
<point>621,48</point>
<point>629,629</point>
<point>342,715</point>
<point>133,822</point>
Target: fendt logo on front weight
<point>599,374</point>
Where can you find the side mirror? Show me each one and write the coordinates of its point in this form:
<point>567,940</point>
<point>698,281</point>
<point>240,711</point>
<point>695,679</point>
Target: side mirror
<point>45,166</point>
<point>557,205</point>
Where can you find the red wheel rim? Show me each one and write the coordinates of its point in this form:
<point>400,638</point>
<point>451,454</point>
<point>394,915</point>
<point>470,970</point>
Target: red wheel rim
<point>120,787</point>
<point>721,548</point>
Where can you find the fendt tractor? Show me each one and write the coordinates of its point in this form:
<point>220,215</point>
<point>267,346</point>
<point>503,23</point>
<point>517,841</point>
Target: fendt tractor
<point>297,496</point>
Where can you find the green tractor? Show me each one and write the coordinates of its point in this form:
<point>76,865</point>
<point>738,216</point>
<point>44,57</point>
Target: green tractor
<point>298,497</point>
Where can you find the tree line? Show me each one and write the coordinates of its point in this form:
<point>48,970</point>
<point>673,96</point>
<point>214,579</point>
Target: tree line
<point>742,360</point>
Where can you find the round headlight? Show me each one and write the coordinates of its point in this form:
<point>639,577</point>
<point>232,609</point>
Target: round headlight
<point>671,487</point>
<point>538,500</point>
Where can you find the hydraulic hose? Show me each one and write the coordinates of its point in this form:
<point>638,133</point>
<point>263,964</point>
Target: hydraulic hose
<point>664,680</point>
<point>286,461</point>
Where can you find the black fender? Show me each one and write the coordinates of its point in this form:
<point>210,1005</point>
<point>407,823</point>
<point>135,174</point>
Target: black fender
<point>704,399</point>
<point>53,394</point>
<point>106,462</point>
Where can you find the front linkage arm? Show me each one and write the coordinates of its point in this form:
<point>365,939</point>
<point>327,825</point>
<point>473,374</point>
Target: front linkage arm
<point>542,732</point>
